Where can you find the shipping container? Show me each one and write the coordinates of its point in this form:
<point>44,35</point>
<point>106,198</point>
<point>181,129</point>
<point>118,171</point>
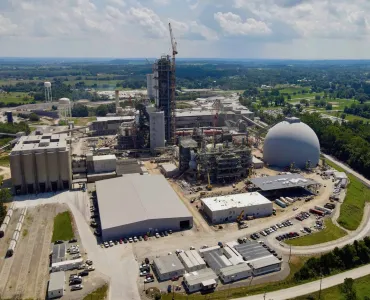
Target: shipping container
<point>280,203</point>
<point>317,212</point>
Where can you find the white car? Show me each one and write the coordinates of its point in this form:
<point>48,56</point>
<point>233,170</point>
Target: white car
<point>192,248</point>
<point>77,287</point>
<point>157,235</point>
<point>111,244</point>
<point>81,267</point>
<point>77,256</point>
<point>144,273</point>
<point>135,239</point>
<point>130,240</point>
<point>90,268</point>
<point>89,262</point>
<point>106,245</point>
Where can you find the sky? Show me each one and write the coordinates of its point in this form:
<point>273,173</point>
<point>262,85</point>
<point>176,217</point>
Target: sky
<point>285,29</point>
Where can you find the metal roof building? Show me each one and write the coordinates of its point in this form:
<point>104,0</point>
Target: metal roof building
<point>280,182</point>
<point>139,204</point>
<point>56,285</point>
<point>192,260</point>
<point>291,141</point>
<point>201,280</point>
<point>59,253</point>
<point>227,208</point>
<point>167,267</point>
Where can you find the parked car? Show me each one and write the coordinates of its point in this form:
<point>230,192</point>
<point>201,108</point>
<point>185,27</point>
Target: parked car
<point>90,268</point>
<point>72,241</point>
<point>130,240</point>
<point>192,248</point>
<point>175,278</point>
<point>89,262</point>
<point>135,239</point>
<point>143,273</point>
<point>74,276</point>
<point>162,234</point>
<point>106,245</point>
<point>140,238</point>
<point>116,242</point>
<point>111,243</point>
<point>81,267</point>
<point>169,288</point>
<point>148,279</point>
<point>157,235</point>
<point>97,232</point>
<point>58,242</point>
<point>77,256</point>
<point>145,238</point>
<point>170,231</point>
<point>83,273</point>
<point>120,241</point>
<point>77,287</point>
<point>146,261</point>
<point>166,233</point>
<point>125,240</point>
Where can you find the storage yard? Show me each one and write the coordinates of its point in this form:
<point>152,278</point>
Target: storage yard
<point>25,274</point>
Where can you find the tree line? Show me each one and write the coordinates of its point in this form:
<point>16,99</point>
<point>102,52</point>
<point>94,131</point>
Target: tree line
<point>338,260</point>
<point>362,110</point>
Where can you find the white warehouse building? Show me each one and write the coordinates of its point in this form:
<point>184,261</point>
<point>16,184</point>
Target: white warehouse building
<point>192,260</point>
<point>228,208</point>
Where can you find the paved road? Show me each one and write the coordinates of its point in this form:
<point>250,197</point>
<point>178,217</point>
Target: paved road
<point>348,169</point>
<point>311,287</point>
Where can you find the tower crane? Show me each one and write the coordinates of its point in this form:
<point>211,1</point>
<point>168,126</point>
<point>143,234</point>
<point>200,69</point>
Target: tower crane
<point>173,86</point>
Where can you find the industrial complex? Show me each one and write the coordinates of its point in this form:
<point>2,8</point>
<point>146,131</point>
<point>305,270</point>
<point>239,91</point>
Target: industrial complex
<point>194,196</point>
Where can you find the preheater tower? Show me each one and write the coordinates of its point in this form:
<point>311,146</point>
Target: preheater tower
<point>41,163</point>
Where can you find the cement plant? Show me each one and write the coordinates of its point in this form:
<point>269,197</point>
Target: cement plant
<point>162,200</point>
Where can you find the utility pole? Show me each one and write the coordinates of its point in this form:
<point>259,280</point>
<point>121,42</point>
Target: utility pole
<point>264,296</point>
<point>320,287</point>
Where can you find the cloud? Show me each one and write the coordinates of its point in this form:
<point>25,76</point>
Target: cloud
<point>193,30</point>
<point>313,18</point>
<point>7,27</point>
<point>119,3</point>
<point>233,24</point>
<point>149,21</point>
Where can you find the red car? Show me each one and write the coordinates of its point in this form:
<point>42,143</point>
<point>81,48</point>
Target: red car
<point>149,275</point>
<point>120,241</point>
<point>145,237</point>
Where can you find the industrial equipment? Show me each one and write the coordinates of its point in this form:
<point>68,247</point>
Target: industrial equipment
<point>239,219</point>
<point>209,186</point>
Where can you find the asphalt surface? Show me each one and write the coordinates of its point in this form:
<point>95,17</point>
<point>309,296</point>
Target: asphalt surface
<point>308,288</point>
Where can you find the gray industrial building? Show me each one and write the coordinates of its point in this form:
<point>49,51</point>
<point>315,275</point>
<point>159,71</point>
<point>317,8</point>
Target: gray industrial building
<point>201,280</point>
<point>157,130</point>
<point>291,141</point>
<point>258,258</point>
<point>280,182</point>
<point>58,253</point>
<point>56,285</point>
<point>109,125</point>
<point>167,267</point>
<point>41,163</point>
<point>139,204</point>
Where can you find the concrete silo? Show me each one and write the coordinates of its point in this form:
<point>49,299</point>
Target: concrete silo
<point>16,172</point>
<point>53,170</point>
<point>65,173</point>
<point>29,172</point>
<point>41,171</point>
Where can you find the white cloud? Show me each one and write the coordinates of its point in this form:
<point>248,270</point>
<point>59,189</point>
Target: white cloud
<point>233,24</point>
<point>119,3</point>
<point>7,27</point>
<point>149,21</point>
<point>191,29</point>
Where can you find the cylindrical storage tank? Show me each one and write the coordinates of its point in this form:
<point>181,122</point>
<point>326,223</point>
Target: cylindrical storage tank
<point>15,236</point>
<point>2,230</point>
<point>290,199</point>
<point>24,211</point>
<point>280,203</point>
<point>19,227</point>
<point>29,170</point>
<point>10,213</point>
<point>6,220</point>
<point>41,167</point>
<point>11,248</point>
<point>64,101</point>
<point>47,84</point>
<point>21,219</point>
<point>64,160</point>
<point>53,169</point>
<point>15,169</point>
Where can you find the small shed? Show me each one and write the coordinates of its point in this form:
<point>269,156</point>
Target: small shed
<point>167,267</point>
<point>56,285</point>
<point>257,163</point>
<point>169,170</point>
<point>202,280</point>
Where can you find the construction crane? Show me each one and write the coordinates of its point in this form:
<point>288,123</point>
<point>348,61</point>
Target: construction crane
<point>173,86</point>
<point>239,219</point>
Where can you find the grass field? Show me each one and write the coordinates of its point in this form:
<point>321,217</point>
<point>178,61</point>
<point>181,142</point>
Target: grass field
<point>15,97</point>
<point>362,287</point>
<point>4,160</point>
<point>352,209</point>
<point>98,294</point>
<point>330,233</point>
<point>82,121</point>
<point>295,264</point>
<point>63,227</point>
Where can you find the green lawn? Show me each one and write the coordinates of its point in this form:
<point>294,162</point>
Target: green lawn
<point>4,160</point>
<point>352,209</point>
<point>98,294</point>
<point>16,97</point>
<point>330,233</point>
<point>362,287</point>
<point>82,121</point>
<point>296,264</point>
<point>63,227</point>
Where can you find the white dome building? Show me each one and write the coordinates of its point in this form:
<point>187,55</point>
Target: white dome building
<point>291,141</point>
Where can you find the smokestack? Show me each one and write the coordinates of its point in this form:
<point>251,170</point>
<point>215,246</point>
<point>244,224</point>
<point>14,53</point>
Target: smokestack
<point>117,100</point>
